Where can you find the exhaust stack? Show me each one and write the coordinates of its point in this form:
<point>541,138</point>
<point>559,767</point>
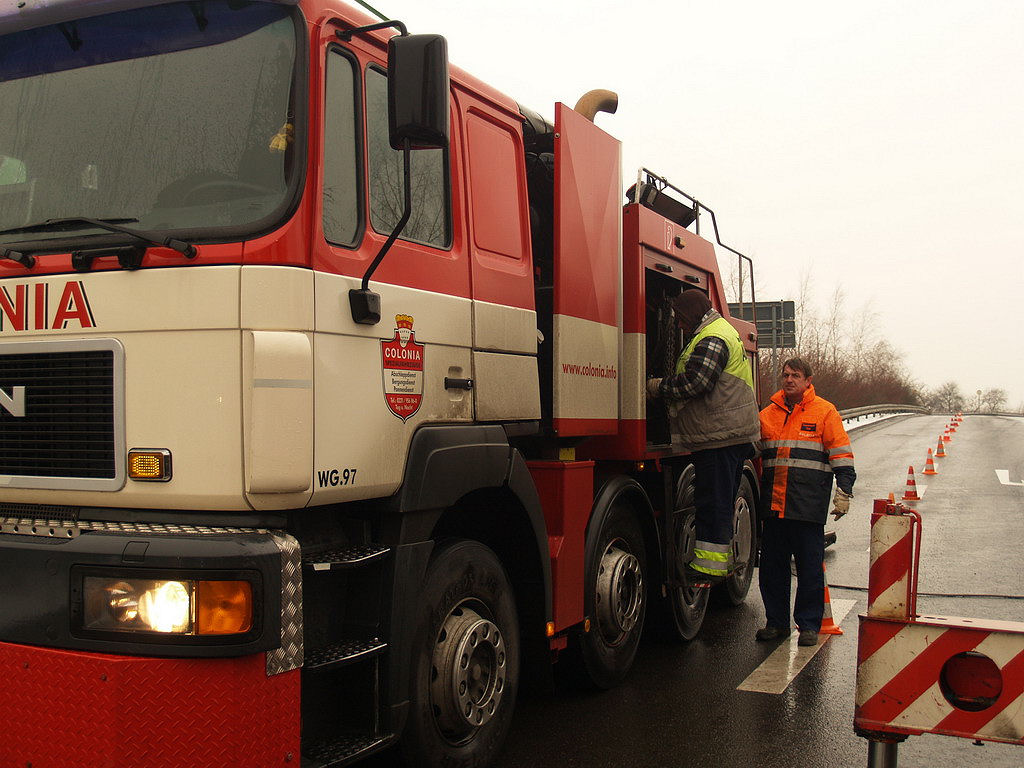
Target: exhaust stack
<point>598,100</point>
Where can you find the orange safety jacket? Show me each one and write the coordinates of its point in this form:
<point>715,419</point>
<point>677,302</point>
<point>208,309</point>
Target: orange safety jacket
<point>801,450</point>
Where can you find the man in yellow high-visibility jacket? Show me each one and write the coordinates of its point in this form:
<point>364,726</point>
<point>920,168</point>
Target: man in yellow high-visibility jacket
<point>713,413</point>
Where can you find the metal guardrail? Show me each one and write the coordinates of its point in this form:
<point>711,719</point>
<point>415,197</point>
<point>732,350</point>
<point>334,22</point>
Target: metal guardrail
<point>871,410</point>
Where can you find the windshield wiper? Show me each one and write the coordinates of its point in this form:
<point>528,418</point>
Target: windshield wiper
<point>26,260</point>
<point>111,225</point>
<point>43,226</point>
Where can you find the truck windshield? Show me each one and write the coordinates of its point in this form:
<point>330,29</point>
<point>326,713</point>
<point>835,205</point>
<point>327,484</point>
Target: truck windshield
<point>178,116</point>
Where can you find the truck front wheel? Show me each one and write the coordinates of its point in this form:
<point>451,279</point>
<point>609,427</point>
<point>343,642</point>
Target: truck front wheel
<point>465,663</point>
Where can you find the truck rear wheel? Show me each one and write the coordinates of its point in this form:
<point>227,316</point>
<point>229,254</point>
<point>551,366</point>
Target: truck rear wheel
<point>465,665</point>
<point>686,604</point>
<point>744,545</point>
<point>615,597</point>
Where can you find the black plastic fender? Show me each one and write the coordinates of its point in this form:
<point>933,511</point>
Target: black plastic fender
<point>612,489</point>
<point>447,463</point>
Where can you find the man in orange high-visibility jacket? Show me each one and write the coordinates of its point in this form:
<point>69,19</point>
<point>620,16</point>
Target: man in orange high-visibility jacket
<point>803,446</point>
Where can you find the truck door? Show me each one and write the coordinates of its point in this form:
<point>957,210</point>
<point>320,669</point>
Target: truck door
<point>587,302</point>
<point>376,384</point>
<point>504,320</point>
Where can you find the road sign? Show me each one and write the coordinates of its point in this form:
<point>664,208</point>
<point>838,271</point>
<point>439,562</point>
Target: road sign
<point>775,321</point>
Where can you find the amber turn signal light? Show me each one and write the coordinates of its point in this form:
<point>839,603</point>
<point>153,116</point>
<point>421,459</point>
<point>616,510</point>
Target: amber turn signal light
<point>225,607</point>
<point>149,464</point>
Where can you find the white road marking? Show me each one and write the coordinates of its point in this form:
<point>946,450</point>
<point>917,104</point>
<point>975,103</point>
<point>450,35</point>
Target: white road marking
<point>1004,477</point>
<point>780,669</point>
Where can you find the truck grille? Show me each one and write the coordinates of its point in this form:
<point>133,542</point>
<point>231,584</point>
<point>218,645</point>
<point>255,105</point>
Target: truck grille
<point>72,414</point>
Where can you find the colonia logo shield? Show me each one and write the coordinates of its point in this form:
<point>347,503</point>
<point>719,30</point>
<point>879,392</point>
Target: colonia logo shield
<point>402,366</point>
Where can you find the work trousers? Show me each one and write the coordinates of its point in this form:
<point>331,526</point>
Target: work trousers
<point>717,478</point>
<point>804,541</point>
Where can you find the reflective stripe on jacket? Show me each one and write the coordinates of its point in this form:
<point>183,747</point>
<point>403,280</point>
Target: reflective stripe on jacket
<point>727,413</point>
<point>801,450</point>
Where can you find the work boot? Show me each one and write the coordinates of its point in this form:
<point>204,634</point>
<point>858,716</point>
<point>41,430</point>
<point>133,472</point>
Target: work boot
<point>695,578</point>
<point>772,633</point>
<point>808,637</point>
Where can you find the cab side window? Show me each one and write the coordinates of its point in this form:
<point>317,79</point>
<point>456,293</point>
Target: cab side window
<point>341,216</point>
<point>430,222</point>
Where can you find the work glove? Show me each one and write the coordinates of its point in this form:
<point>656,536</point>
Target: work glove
<point>841,503</point>
<point>653,389</point>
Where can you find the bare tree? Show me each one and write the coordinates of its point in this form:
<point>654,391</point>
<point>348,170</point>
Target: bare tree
<point>947,397</point>
<point>993,399</point>
<point>852,366</point>
<point>733,281</point>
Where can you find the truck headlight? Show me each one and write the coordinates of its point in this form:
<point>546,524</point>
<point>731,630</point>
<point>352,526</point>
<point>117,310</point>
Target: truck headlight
<point>164,606</point>
<point>167,606</point>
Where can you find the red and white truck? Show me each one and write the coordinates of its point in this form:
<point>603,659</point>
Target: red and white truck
<point>309,444</point>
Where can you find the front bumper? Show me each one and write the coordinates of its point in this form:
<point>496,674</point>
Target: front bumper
<point>67,708</point>
<point>41,577</point>
<point>162,700</point>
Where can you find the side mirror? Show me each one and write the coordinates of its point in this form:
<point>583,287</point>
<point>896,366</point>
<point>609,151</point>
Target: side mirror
<point>418,91</point>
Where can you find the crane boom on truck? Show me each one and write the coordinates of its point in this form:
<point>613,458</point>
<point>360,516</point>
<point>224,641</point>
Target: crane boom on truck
<point>322,403</point>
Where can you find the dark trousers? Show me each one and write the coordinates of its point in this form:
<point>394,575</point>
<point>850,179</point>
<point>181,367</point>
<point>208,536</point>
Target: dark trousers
<point>717,478</point>
<point>805,543</point>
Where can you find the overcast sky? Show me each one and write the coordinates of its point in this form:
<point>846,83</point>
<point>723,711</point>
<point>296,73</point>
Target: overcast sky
<point>877,147</point>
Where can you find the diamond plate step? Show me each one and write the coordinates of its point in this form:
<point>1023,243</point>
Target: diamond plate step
<point>347,652</point>
<point>350,557</point>
<point>343,750</point>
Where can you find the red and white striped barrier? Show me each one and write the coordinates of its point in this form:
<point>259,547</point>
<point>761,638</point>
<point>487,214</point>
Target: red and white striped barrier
<point>891,578</point>
<point>942,675</point>
<point>928,674</point>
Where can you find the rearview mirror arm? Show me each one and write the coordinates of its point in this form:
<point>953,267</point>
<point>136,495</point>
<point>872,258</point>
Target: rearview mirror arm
<point>348,34</point>
<point>365,304</point>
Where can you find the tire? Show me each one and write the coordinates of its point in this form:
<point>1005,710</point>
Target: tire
<point>686,606</point>
<point>744,546</point>
<point>465,660</point>
<point>615,594</point>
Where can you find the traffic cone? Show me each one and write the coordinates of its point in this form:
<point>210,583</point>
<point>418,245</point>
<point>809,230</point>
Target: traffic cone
<point>952,426</point>
<point>940,450</point>
<point>892,497</point>
<point>929,465</point>
<point>911,493</point>
<point>945,435</point>
<point>828,626</point>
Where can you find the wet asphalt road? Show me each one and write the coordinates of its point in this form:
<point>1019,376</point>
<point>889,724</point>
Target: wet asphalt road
<point>680,706</point>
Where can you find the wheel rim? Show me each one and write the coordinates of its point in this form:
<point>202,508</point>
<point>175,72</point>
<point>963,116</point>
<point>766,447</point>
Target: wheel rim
<point>468,672</point>
<point>741,536</point>
<point>684,554</point>
<point>619,594</point>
